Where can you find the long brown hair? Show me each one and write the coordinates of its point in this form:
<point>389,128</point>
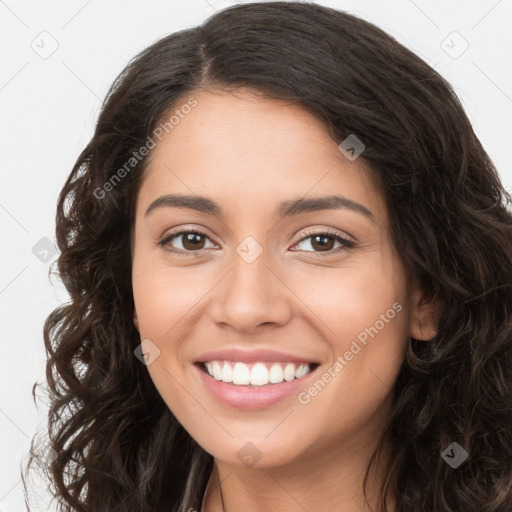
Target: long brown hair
<point>117,445</point>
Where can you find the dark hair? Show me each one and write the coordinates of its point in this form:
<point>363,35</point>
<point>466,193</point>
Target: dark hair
<point>118,446</point>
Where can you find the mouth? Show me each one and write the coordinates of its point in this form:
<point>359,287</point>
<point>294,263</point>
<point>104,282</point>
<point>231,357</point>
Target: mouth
<point>256,374</point>
<point>254,379</point>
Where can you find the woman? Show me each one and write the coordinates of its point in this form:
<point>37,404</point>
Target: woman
<point>289,261</point>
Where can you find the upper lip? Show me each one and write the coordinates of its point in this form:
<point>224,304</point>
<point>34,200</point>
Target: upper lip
<point>251,356</point>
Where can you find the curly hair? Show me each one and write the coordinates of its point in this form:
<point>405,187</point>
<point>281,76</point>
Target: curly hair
<point>117,446</point>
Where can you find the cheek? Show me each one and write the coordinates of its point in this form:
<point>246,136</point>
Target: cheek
<point>361,314</point>
<point>345,301</point>
<point>166,303</point>
<point>164,299</point>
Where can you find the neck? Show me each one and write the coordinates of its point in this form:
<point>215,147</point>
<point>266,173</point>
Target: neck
<point>313,483</point>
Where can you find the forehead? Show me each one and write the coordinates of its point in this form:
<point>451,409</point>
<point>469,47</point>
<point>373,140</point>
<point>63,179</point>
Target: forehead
<point>244,149</point>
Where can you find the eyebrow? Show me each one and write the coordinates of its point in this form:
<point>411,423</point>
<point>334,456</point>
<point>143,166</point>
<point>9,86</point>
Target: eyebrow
<point>285,209</point>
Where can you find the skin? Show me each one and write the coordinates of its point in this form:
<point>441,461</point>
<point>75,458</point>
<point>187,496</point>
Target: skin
<point>248,154</point>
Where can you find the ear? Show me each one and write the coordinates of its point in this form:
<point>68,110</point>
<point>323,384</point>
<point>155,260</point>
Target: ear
<point>135,319</point>
<point>424,314</point>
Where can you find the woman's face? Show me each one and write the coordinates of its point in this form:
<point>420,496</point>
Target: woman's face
<point>264,283</point>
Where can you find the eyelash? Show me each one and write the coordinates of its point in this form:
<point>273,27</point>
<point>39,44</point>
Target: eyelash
<point>345,243</point>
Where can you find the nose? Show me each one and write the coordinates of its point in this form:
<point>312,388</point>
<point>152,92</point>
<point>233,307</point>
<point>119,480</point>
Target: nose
<point>251,294</point>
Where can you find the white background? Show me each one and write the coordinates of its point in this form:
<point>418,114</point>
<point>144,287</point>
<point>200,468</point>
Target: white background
<point>49,106</point>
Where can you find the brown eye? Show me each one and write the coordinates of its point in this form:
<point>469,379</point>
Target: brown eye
<point>325,243</point>
<point>190,241</point>
<point>322,242</point>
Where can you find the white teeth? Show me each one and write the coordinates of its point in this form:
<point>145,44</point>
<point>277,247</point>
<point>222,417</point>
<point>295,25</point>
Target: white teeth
<point>301,370</point>
<point>217,371</point>
<point>289,372</point>
<point>241,374</point>
<point>227,373</point>
<point>275,374</point>
<point>260,374</point>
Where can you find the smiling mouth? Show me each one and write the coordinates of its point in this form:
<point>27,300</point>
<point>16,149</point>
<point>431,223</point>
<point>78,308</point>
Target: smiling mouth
<point>255,374</point>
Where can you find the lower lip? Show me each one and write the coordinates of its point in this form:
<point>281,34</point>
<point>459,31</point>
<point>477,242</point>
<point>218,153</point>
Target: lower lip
<point>245,397</point>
